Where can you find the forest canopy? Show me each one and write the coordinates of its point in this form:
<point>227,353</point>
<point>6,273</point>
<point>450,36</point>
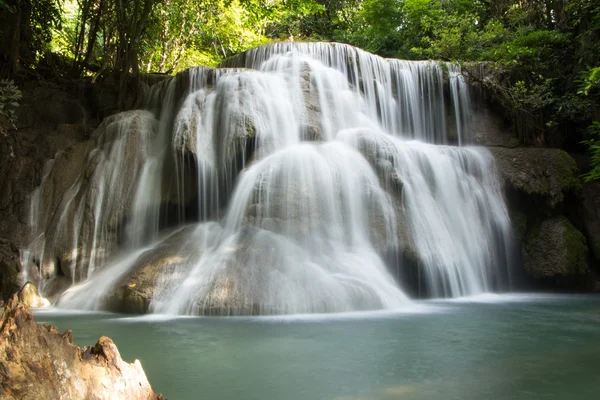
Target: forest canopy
<point>544,55</point>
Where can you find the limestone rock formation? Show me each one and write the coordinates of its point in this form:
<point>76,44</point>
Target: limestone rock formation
<point>543,177</point>
<point>51,118</point>
<point>556,253</point>
<point>38,362</point>
<point>85,193</point>
<point>489,129</point>
<point>48,104</point>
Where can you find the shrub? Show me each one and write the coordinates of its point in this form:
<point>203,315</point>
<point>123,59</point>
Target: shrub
<point>10,95</point>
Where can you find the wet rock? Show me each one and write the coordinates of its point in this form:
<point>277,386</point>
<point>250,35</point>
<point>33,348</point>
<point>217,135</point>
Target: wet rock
<point>167,261</point>
<point>38,362</point>
<point>49,120</point>
<point>29,296</point>
<point>312,129</point>
<point>488,128</point>
<point>381,155</point>
<point>85,194</point>
<point>591,217</point>
<point>238,116</point>
<point>556,253</point>
<point>54,287</point>
<point>542,178</point>
<point>519,223</point>
<point>65,136</point>
<point>23,154</point>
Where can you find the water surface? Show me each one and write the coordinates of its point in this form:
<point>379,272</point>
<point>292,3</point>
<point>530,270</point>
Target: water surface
<point>488,347</point>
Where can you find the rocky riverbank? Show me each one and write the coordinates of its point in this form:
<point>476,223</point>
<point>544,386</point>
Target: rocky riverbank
<point>38,362</point>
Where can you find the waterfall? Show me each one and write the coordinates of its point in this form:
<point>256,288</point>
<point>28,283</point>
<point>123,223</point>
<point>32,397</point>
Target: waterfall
<point>295,178</point>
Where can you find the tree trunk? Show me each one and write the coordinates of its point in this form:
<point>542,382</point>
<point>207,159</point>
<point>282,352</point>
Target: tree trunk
<point>15,47</point>
<point>85,10</point>
<point>93,35</point>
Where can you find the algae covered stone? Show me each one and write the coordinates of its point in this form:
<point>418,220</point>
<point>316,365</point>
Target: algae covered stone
<point>556,252</point>
<point>544,176</point>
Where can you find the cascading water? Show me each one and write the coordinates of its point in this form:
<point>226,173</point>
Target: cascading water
<point>291,173</point>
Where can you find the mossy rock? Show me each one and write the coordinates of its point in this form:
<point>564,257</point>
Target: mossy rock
<point>546,175</point>
<point>556,253</point>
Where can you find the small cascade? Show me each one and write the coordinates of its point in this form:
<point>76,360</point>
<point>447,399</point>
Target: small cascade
<point>76,213</point>
<point>280,182</point>
<point>451,205</point>
<point>405,97</point>
<point>297,239</point>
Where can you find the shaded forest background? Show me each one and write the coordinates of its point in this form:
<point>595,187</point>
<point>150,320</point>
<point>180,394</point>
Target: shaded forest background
<point>541,57</point>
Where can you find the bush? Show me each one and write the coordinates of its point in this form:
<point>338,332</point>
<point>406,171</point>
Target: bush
<point>10,95</point>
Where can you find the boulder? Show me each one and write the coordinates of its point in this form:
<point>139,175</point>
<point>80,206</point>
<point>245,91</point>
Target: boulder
<point>556,253</point>
<point>62,109</point>
<point>166,261</point>
<point>541,178</point>
<point>29,296</point>
<point>38,362</point>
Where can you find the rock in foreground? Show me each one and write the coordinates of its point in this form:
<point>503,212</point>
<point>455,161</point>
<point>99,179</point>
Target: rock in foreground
<point>37,362</point>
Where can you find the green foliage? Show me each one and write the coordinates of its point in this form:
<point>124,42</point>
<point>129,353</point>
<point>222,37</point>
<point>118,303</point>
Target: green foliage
<point>453,37</point>
<point>333,20</point>
<point>593,145</point>
<point>4,6</point>
<point>10,96</point>
<point>26,30</point>
<point>63,39</point>
<point>589,86</point>
<point>172,34</point>
<point>374,27</point>
<point>590,81</point>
